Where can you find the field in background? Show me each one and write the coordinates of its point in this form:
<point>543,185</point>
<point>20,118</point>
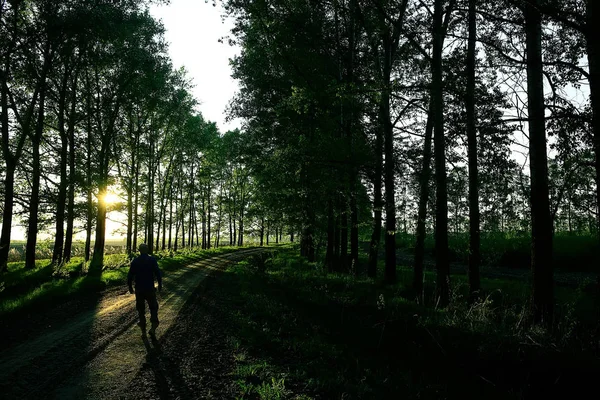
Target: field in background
<point>572,252</point>
<point>44,249</point>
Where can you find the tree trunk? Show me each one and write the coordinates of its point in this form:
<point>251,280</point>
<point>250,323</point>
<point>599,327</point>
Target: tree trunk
<point>34,203</point>
<point>377,204</point>
<point>170,214</point>
<point>150,202</point>
<point>593,48</point>
<point>343,260</point>
<point>329,255</point>
<point>9,193</point>
<point>72,174</point>
<point>230,231</point>
<point>541,221</point>
<point>100,237</point>
<point>474,218</point>
<point>9,178</point>
<point>59,237</point>
<point>208,218</point>
<point>424,178</point>
<point>388,134</point>
<point>136,202</point>
<point>353,228</point>
<point>441,219</point>
<point>88,171</point>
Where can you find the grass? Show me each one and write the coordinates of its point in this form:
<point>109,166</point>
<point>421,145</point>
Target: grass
<point>45,285</point>
<point>301,333</point>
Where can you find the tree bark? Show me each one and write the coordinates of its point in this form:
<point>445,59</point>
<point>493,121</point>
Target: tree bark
<point>541,221</point>
<point>474,217</point>
<point>593,49</point>
<point>329,255</point>
<point>389,181</point>
<point>441,220</point>
<point>34,203</point>
<point>424,178</point>
<point>377,204</point>
<point>72,176</point>
<point>59,237</point>
<point>343,260</point>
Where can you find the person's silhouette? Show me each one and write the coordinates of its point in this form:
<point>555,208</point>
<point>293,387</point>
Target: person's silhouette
<point>144,269</point>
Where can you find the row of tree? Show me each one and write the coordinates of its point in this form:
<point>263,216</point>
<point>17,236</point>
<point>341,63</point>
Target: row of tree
<point>422,105</point>
<point>360,115</point>
<point>91,105</point>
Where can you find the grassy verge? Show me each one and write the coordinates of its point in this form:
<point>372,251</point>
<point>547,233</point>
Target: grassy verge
<point>46,285</point>
<point>300,333</point>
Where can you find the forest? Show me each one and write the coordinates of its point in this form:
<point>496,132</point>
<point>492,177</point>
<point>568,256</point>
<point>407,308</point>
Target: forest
<point>394,158</point>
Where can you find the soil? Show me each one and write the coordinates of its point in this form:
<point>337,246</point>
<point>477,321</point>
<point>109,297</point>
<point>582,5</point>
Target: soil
<point>92,347</point>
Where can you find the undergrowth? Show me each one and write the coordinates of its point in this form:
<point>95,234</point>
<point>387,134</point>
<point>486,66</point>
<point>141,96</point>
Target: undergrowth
<point>299,332</point>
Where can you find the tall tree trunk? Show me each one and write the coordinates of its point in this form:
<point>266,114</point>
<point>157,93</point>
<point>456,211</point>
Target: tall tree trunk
<point>9,193</point>
<point>441,191</point>
<point>203,222</point>
<point>424,178</point>
<point>474,233</point>
<point>388,134</point>
<point>88,171</point>
<point>593,49</point>
<point>377,204</point>
<point>208,217</point>
<point>329,255</point>
<point>136,202</point>
<point>353,229</point>
<point>9,178</point>
<point>262,231</point>
<point>182,219</point>
<point>170,213</point>
<point>150,203</point>
<point>72,176</point>
<point>100,236</point>
<point>336,241</point>
<point>230,231</point>
<point>541,221</point>
<point>343,260</point>
<point>36,172</point>
<point>59,237</point>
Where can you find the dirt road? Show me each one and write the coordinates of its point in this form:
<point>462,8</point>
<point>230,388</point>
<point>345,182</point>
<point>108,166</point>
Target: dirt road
<point>97,352</point>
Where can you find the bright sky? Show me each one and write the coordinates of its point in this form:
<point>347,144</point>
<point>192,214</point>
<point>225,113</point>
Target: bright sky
<point>193,28</point>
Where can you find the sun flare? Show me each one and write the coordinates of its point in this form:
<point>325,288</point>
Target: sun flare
<point>110,198</point>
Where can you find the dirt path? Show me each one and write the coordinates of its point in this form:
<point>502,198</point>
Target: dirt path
<point>98,352</point>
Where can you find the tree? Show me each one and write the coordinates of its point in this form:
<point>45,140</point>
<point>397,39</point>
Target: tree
<point>541,249</point>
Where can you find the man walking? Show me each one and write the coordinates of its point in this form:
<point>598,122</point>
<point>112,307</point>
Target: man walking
<point>144,269</point>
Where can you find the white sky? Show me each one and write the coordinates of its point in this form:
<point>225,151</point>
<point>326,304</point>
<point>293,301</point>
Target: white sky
<point>193,29</point>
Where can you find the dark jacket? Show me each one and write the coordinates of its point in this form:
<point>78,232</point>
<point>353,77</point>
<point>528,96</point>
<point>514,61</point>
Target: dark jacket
<point>144,268</point>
